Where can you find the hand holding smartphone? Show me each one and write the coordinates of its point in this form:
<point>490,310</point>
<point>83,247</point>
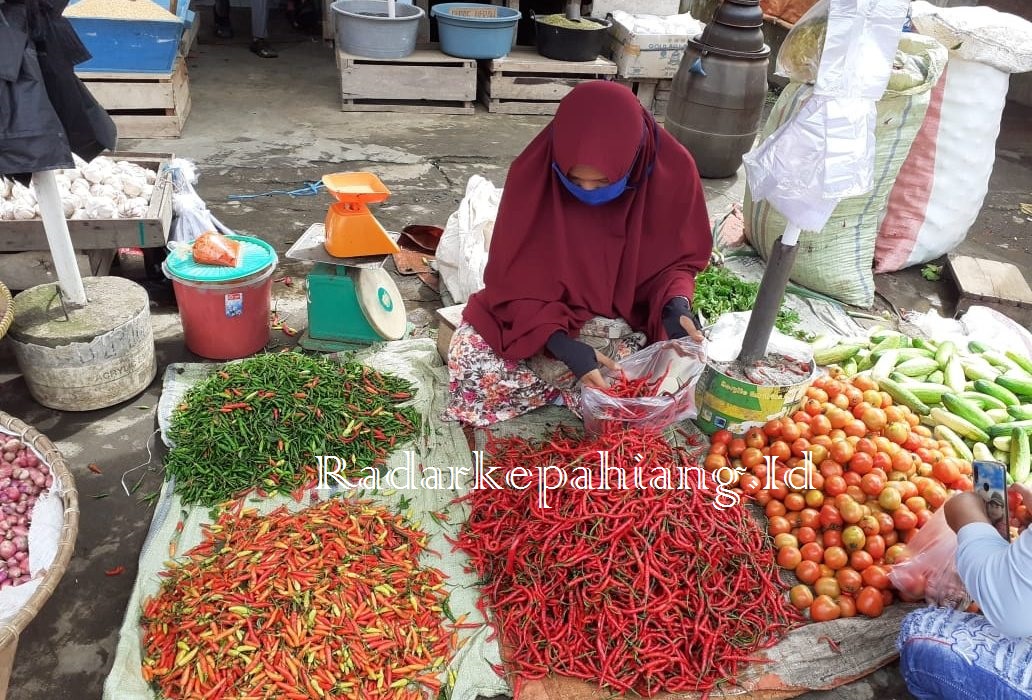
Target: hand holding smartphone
<point>991,486</point>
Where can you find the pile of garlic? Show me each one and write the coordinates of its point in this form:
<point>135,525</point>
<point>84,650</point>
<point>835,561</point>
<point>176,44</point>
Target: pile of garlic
<point>100,189</point>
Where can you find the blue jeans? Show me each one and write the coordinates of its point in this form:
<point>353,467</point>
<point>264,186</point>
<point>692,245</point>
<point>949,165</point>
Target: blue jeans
<point>950,655</point>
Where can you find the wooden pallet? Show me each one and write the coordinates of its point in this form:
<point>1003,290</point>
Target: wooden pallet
<point>427,82</point>
<point>998,285</point>
<point>144,106</point>
<point>525,82</point>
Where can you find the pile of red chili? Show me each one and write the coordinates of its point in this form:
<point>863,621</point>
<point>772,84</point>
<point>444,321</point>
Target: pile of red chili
<point>626,388</point>
<point>330,602</point>
<point>646,588</point>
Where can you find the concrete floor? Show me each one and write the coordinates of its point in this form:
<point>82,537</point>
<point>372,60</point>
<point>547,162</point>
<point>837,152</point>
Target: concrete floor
<point>260,125</point>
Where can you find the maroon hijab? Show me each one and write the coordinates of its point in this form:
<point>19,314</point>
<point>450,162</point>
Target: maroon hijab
<point>555,262</point>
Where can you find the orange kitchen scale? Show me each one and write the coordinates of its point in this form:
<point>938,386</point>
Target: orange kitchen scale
<point>352,300</point>
<point>351,229</point>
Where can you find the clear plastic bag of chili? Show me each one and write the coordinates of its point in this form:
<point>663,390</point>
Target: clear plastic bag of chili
<point>654,389</point>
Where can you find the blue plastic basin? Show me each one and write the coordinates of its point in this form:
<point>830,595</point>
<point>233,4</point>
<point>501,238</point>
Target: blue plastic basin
<point>475,37</point>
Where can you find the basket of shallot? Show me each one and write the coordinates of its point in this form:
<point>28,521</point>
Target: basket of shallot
<point>39,520</point>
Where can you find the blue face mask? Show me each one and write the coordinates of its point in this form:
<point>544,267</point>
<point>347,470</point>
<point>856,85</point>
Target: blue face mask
<point>597,196</point>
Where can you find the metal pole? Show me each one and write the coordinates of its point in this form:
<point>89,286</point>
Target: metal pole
<point>52,213</point>
<point>769,297</point>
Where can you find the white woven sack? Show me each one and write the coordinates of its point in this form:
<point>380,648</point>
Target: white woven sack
<point>943,183</point>
<point>998,39</point>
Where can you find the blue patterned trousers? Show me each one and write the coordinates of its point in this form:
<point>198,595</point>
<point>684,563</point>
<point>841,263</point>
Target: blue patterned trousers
<point>950,655</point>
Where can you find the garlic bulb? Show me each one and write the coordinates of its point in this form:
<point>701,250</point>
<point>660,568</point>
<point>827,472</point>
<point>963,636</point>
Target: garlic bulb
<point>69,207</point>
<point>23,212</point>
<point>5,187</point>
<point>80,188</point>
<point>101,208</point>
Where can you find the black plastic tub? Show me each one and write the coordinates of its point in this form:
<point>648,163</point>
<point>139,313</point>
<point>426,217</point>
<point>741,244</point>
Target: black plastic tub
<point>563,44</point>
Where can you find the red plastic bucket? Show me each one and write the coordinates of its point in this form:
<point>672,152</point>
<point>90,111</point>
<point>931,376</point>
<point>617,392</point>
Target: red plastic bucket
<point>225,320</point>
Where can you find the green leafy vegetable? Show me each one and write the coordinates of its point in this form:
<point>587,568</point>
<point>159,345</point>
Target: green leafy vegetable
<point>719,291</point>
<point>933,273</point>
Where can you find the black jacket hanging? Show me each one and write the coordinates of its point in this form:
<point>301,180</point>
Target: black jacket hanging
<point>46,113</point>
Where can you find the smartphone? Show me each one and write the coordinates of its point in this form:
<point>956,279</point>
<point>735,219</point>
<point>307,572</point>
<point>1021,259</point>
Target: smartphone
<point>991,486</point>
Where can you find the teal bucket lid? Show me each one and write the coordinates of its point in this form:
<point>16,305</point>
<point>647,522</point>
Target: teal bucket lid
<point>255,256</point>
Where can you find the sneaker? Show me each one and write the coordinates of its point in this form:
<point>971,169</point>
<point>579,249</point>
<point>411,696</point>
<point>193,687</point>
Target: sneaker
<point>260,48</point>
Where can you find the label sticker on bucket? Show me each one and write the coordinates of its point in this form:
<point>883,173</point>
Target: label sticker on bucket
<point>234,304</point>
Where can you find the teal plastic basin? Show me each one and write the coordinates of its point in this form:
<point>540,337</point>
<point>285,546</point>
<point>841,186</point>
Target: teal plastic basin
<point>476,37</point>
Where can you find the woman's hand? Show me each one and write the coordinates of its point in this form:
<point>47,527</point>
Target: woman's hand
<point>689,327</point>
<point>594,378</point>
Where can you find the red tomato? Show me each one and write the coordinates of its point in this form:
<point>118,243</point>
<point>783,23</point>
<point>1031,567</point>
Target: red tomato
<point>808,571</point>
<point>861,560</point>
<point>721,437</point>
<point>755,437</point>
<point>749,484</point>
<point>869,602</point>
<point>834,485</point>
<point>830,517</point>
<point>827,585</point>
<point>904,519</point>
<point>789,558</point>
<point>847,606</point>
<point>781,450</point>
<point>861,463</point>
<point>811,551</point>
<point>849,581</point>
<point>875,546</point>
<point>810,517</point>
<point>772,429</point>
<point>805,535</point>
<point>832,538</point>
<point>801,597</point>
<point>836,557</point>
<point>877,577</point>
<point>824,609</point>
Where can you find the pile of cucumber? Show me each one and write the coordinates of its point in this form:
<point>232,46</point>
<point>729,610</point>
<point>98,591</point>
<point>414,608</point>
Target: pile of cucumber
<point>977,399</point>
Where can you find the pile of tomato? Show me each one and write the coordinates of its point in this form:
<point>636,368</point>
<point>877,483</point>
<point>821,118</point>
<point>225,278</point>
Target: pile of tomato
<point>855,477</point>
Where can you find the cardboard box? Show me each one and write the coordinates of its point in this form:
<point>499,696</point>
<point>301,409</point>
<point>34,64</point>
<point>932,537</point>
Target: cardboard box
<point>448,319</point>
<point>650,53</point>
<point>601,8</point>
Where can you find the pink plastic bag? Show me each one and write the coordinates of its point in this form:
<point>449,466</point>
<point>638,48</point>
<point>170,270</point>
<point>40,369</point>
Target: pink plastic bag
<point>929,571</point>
<point>682,361</point>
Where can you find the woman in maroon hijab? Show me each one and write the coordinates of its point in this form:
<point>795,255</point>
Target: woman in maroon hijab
<point>601,229</point>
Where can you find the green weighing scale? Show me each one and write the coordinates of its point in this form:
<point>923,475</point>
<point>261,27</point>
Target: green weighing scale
<point>352,302</point>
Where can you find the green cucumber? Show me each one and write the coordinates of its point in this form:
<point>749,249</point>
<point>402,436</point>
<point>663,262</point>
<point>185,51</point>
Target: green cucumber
<point>984,401</point>
<point>960,425</point>
<point>884,366</point>
<point>943,432</point>
<point>999,415</point>
<point>917,367</point>
<point>937,377</point>
<point>980,450</point>
<point>900,394</point>
<point>976,368</point>
<point>1020,360</point>
<point>976,347</point>
<point>1019,386</point>
<point>945,353</point>
<point>929,393</point>
<point>967,410</point>
<point>955,378</point>
<point>997,391</point>
<point>849,367</point>
<point>1002,443</point>
<point>1023,412</point>
<point>836,355</point>
<point>1020,456</point>
<point>924,344</point>
<point>1006,428</point>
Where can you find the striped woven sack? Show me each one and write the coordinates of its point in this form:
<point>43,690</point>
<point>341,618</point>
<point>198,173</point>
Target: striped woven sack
<point>837,260</point>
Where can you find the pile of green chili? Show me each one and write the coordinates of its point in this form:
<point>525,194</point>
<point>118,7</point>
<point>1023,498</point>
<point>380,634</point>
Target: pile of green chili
<point>260,423</point>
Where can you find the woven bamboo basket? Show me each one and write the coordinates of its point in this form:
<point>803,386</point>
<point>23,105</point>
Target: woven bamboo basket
<point>52,457</point>
<point>6,309</point>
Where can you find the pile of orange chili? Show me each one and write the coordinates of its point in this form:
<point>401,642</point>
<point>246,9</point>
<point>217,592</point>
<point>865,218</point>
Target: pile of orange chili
<point>642,586</point>
<point>329,602</point>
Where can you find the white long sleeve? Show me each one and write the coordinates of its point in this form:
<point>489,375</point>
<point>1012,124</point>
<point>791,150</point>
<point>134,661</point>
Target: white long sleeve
<point>998,576</point>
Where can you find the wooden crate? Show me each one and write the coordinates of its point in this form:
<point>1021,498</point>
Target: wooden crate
<point>151,231</point>
<point>653,94</point>
<point>144,106</point>
<point>997,285</point>
<point>427,82</point>
<point>190,36</point>
<point>525,82</point>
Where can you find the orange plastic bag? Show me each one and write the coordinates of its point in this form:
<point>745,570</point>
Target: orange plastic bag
<point>215,249</point>
<point>929,571</point>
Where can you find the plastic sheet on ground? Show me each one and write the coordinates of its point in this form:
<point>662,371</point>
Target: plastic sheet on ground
<point>802,662</point>
<point>979,323</point>
<point>415,360</point>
